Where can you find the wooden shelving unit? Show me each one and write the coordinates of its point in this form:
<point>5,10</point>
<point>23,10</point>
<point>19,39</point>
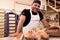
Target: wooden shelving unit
<point>2,23</point>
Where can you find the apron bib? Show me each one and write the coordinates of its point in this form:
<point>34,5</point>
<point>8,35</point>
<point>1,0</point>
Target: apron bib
<point>34,22</point>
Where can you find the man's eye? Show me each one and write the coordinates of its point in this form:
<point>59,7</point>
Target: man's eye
<point>35,5</point>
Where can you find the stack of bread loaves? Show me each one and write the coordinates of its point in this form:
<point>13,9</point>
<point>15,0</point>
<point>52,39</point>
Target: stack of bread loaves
<point>36,34</point>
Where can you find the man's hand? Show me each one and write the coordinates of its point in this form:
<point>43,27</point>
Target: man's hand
<point>13,35</point>
<point>45,23</point>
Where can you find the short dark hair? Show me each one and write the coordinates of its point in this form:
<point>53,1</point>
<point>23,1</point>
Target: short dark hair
<point>37,1</point>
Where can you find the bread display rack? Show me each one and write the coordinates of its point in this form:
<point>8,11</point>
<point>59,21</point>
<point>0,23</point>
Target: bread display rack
<point>11,23</point>
<point>2,23</point>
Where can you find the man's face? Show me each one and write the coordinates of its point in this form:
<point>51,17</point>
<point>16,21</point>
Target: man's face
<point>35,7</point>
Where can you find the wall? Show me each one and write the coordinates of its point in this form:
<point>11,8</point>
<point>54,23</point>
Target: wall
<point>11,4</point>
<point>7,4</point>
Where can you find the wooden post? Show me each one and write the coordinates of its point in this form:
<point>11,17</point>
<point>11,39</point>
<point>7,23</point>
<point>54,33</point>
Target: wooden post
<point>48,2</point>
<point>55,3</point>
<point>59,18</point>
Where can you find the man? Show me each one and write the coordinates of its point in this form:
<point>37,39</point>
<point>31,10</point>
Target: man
<point>30,18</point>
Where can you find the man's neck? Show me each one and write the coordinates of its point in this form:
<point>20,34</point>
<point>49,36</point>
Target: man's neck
<point>34,13</point>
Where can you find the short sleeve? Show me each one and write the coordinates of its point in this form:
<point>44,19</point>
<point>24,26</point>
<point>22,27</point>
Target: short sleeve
<point>24,12</point>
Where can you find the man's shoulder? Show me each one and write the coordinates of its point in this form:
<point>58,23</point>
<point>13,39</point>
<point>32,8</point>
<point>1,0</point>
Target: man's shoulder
<point>25,12</point>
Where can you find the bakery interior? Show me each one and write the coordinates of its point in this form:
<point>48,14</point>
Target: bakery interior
<point>9,21</point>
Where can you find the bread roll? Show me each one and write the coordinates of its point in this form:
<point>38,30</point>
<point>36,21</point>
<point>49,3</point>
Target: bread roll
<point>29,34</point>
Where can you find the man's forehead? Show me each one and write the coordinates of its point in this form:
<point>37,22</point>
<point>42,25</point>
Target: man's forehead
<point>37,1</point>
<point>36,4</point>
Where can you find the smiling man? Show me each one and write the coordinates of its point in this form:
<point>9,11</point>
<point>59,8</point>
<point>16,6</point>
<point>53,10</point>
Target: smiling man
<point>30,18</point>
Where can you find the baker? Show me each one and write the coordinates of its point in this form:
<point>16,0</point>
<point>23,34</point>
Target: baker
<point>30,18</point>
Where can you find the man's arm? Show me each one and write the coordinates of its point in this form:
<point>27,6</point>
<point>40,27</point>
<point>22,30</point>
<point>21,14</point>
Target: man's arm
<point>20,23</point>
<point>45,23</point>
